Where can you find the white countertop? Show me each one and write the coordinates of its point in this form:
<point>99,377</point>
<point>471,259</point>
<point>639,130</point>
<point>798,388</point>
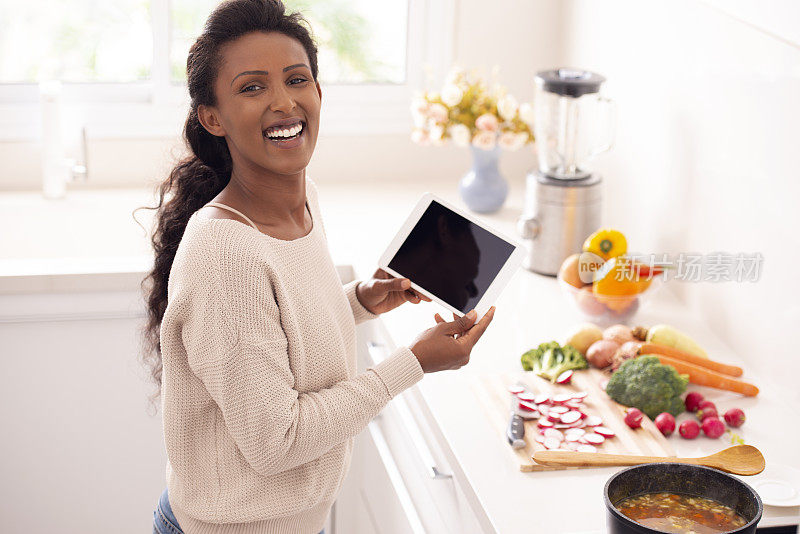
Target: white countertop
<point>89,241</point>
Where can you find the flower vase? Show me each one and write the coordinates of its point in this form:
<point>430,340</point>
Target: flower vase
<point>483,189</point>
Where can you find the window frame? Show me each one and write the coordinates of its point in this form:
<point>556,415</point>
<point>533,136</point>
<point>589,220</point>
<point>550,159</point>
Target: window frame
<point>158,107</point>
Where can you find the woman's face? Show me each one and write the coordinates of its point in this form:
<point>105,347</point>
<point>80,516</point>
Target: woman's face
<point>264,90</point>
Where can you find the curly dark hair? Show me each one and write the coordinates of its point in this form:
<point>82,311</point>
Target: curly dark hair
<point>207,170</point>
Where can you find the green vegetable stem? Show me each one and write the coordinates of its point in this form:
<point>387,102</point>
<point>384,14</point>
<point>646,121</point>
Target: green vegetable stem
<point>549,360</point>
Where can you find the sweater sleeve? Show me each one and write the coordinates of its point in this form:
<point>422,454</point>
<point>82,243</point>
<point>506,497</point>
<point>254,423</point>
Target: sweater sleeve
<point>275,426</point>
<point>360,313</point>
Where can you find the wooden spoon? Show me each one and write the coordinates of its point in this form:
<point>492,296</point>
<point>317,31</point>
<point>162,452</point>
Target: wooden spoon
<point>739,459</point>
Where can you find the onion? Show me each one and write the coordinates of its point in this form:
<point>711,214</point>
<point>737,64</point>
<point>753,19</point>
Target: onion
<point>601,353</point>
<point>619,334</point>
<point>627,351</point>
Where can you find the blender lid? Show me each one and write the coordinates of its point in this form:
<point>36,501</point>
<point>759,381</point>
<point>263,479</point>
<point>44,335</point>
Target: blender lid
<point>570,82</point>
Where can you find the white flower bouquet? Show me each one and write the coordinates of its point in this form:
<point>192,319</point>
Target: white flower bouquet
<point>467,112</point>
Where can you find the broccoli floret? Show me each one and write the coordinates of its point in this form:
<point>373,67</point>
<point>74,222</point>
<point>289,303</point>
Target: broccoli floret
<point>551,359</point>
<point>647,384</point>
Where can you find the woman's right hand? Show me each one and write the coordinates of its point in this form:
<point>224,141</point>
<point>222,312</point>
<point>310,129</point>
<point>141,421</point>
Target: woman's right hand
<point>449,344</point>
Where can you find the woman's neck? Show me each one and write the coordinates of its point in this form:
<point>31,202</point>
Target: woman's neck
<point>274,202</point>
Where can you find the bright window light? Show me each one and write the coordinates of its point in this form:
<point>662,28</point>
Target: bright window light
<point>75,41</point>
<point>360,41</point>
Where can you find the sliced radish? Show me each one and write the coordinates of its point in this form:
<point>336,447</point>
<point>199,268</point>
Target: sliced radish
<point>525,414</point>
<point>586,448</point>
<point>543,408</point>
<point>539,438</point>
<point>579,395</point>
<point>516,389</point>
<point>527,406</point>
<point>564,378</point>
<point>552,443</point>
<point>544,423</point>
<point>542,398</point>
<point>570,417</point>
<point>605,432</point>
<point>561,398</point>
<point>593,420</point>
<point>575,432</point>
<point>553,433</point>
<point>526,396</point>
<point>554,417</point>
<point>572,445</point>
<point>575,405</point>
<point>593,439</point>
<point>572,437</point>
<point>558,409</point>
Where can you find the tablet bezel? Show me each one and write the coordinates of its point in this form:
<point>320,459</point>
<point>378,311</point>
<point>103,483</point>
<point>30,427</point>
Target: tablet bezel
<point>508,269</point>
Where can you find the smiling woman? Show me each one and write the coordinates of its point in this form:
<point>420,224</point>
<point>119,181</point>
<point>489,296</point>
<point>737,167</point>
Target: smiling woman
<point>251,333</point>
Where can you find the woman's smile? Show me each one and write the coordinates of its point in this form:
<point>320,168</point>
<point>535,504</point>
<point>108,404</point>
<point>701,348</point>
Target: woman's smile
<point>286,134</point>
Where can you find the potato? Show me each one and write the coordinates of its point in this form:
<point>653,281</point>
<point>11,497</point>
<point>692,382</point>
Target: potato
<point>583,336</point>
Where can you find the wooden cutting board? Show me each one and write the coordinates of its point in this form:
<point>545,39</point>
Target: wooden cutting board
<point>492,392</point>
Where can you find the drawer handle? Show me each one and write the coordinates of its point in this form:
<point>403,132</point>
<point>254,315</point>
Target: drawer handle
<point>378,352</point>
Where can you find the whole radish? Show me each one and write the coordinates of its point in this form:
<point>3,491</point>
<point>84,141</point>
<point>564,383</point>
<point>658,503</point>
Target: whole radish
<point>734,417</point>
<point>633,418</point>
<point>693,400</point>
<point>665,422</point>
<point>713,427</point>
<point>705,413</point>
<point>702,405</point>
<point>689,429</point>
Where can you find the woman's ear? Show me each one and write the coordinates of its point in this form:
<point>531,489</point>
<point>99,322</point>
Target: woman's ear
<point>319,91</point>
<point>210,121</point>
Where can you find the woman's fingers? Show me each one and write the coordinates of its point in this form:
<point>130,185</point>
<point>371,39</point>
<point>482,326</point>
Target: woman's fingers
<point>438,318</point>
<point>474,334</point>
<point>459,325</point>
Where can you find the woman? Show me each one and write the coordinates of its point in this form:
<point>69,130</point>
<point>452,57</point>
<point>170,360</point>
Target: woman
<point>259,390</point>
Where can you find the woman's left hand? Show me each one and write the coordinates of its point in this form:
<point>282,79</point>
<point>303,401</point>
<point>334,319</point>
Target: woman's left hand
<point>383,292</point>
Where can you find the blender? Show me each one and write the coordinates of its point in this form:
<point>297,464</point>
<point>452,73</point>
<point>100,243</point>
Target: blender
<point>573,124</point>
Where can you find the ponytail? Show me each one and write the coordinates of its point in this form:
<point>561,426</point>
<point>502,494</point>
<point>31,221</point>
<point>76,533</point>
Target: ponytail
<point>201,176</point>
<point>190,185</point>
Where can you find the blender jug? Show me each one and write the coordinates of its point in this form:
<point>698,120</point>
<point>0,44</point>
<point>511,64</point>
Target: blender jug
<point>573,122</point>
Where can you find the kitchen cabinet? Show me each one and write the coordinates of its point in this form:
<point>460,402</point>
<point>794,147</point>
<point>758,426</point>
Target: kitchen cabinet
<point>399,481</point>
<point>81,451</point>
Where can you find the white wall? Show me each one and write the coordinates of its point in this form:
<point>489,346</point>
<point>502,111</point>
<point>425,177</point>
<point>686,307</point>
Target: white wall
<point>519,37</point>
<point>706,154</point>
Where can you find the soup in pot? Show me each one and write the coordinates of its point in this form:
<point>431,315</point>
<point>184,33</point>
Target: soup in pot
<point>681,514</point>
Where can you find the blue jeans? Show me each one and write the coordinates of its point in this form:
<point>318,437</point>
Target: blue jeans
<point>164,521</point>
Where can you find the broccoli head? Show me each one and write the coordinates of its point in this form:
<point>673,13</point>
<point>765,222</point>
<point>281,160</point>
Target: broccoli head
<point>550,359</point>
<point>649,385</point>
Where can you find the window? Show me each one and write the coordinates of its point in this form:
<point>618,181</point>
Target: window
<point>123,62</point>
<point>76,41</point>
<point>360,41</point>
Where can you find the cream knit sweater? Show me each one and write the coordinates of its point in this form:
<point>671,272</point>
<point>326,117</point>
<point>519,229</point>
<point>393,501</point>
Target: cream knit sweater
<point>260,395</point>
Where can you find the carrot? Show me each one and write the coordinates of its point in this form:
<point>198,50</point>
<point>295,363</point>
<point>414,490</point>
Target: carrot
<point>654,348</point>
<point>706,377</point>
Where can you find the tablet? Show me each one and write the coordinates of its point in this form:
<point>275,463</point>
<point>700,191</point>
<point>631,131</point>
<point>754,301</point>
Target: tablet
<point>451,257</point>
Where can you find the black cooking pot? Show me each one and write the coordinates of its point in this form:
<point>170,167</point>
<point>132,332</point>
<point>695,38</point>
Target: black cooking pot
<point>679,478</point>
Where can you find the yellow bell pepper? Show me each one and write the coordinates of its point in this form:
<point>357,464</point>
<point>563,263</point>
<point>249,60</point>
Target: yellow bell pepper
<point>606,243</point>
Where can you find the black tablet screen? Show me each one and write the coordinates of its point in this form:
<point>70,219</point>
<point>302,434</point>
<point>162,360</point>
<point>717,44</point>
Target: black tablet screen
<point>451,257</point>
